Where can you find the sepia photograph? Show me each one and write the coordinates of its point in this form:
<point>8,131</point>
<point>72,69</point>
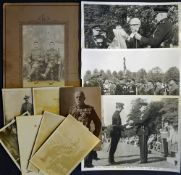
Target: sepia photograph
<point>123,72</point>
<point>116,25</point>
<point>139,133</point>
<point>46,99</point>
<point>9,140</point>
<point>17,102</point>
<point>65,148</point>
<point>84,104</point>
<point>43,55</point>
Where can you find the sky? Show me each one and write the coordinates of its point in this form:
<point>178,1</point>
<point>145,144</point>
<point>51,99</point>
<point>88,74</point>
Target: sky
<point>135,59</point>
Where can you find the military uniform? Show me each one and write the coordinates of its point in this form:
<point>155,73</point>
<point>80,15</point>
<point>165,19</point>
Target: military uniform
<point>52,60</point>
<point>162,35</point>
<point>86,114</point>
<point>115,134</point>
<point>143,133</point>
<point>26,107</point>
<point>36,60</point>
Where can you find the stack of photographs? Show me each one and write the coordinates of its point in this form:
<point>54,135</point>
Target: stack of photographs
<point>131,52</point>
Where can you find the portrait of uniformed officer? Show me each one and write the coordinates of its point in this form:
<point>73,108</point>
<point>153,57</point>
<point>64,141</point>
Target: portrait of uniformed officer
<point>26,106</point>
<point>86,114</point>
<point>53,61</point>
<point>36,61</point>
<point>163,34</point>
<point>115,132</point>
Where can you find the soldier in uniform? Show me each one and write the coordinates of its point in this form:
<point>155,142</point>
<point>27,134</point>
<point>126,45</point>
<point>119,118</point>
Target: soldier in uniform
<point>86,114</point>
<point>36,61</point>
<point>115,131</point>
<point>163,33</point>
<point>26,106</point>
<point>173,87</point>
<point>52,58</point>
<point>143,132</point>
<point>96,40</point>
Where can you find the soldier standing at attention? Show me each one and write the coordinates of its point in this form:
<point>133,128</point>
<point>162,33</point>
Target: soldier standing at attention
<point>116,131</point>
<point>86,114</point>
<point>52,59</point>
<point>36,61</point>
<point>163,34</point>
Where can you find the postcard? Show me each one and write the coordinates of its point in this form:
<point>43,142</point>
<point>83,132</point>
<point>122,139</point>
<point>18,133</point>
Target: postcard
<point>9,140</point>
<point>16,102</point>
<point>65,148</point>
<point>46,99</point>
<point>48,124</point>
<point>132,72</point>
<point>139,133</point>
<point>27,128</point>
<point>129,25</point>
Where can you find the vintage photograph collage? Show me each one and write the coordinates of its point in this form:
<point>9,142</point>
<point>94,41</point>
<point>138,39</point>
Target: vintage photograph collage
<point>126,112</point>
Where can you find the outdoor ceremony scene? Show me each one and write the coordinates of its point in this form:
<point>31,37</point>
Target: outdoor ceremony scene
<point>117,25</point>
<point>123,72</point>
<point>139,132</point>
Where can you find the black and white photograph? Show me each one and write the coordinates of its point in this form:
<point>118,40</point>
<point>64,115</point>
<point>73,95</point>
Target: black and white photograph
<point>118,25</point>
<point>17,102</point>
<point>9,140</point>
<point>43,55</point>
<point>139,133</point>
<point>123,72</point>
<point>84,104</point>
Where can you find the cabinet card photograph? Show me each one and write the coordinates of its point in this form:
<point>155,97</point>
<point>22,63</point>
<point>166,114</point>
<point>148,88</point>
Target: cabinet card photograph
<point>139,133</point>
<point>17,102</point>
<point>9,140</point>
<point>116,25</point>
<point>84,104</point>
<point>43,55</point>
<point>46,99</point>
<point>116,72</point>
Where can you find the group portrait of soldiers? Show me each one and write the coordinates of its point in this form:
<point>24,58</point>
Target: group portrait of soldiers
<point>44,64</point>
<point>114,85</point>
<point>133,29</point>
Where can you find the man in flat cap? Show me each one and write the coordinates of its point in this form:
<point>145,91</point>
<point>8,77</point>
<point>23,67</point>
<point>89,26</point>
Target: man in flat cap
<point>26,106</point>
<point>115,131</point>
<point>162,36</point>
<point>86,114</point>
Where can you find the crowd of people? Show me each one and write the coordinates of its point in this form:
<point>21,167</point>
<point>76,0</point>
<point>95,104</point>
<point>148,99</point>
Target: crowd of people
<point>165,34</point>
<point>132,87</point>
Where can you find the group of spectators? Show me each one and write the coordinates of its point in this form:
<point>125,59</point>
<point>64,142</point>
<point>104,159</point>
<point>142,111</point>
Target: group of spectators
<point>132,87</point>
